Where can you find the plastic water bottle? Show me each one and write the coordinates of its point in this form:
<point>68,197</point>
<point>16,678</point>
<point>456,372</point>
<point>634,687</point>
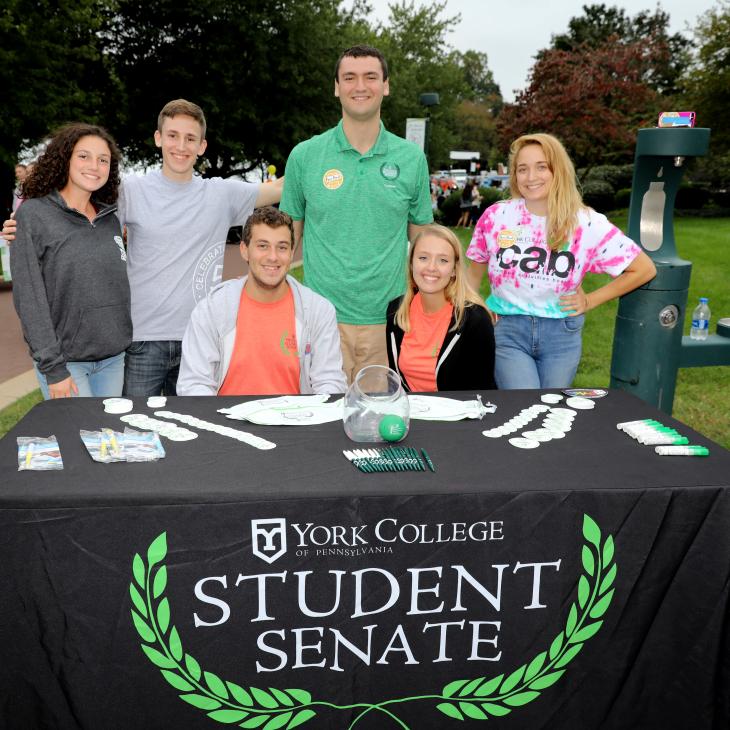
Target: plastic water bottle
<point>700,321</point>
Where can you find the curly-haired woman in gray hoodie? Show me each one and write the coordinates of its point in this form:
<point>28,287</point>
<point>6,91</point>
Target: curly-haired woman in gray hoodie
<point>70,285</point>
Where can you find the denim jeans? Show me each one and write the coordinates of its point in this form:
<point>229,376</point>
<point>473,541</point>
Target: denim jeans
<point>152,367</point>
<point>96,379</point>
<point>536,352</point>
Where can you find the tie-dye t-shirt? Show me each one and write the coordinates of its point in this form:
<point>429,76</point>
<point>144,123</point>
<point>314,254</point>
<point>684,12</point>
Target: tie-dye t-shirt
<point>526,277</point>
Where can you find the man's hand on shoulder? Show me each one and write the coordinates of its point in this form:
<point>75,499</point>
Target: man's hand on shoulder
<point>269,193</point>
<point>9,226</point>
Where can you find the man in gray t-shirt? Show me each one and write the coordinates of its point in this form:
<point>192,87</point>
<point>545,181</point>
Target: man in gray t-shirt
<point>177,225</point>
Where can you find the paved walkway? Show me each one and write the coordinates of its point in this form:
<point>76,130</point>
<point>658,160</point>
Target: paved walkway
<point>17,377</point>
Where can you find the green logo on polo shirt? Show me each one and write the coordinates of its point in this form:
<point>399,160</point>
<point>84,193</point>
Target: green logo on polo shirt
<point>389,170</point>
<point>479,698</point>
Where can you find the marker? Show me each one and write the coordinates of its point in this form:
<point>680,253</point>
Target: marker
<point>428,460</point>
<point>682,450</point>
<point>28,455</point>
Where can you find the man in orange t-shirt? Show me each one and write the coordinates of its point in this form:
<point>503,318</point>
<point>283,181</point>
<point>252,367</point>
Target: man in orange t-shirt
<point>265,334</point>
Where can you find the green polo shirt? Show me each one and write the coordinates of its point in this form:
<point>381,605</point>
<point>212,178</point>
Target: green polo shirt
<point>356,209</point>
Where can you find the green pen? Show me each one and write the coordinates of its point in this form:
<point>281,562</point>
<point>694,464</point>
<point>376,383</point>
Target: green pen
<point>428,460</point>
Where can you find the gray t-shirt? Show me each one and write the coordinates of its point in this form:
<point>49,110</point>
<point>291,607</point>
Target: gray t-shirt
<point>176,234</point>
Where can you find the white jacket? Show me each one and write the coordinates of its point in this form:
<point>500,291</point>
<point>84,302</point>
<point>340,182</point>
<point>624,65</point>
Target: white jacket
<point>210,337</point>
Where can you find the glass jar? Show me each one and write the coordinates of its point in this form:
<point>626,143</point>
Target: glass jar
<point>376,407</point>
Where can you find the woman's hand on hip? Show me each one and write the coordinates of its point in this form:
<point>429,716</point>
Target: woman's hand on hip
<point>576,303</point>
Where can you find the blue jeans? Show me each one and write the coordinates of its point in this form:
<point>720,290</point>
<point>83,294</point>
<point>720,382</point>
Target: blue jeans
<point>536,352</point>
<point>96,379</point>
<point>152,367</point>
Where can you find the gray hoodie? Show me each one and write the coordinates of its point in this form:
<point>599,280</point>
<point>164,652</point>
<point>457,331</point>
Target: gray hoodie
<point>70,285</point>
<point>209,340</point>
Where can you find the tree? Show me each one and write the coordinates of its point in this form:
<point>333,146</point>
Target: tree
<point>479,79</point>
<point>420,60</point>
<point>594,99</point>
<point>51,71</point>
<point>707,92</point>
<point>599,23</point>
<point>481,103</point>
<point>261,72</point>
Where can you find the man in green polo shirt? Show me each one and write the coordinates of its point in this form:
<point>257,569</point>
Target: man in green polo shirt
<point>357,194</point>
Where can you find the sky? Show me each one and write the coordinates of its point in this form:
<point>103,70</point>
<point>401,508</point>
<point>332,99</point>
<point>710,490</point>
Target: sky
<point>499,28</point>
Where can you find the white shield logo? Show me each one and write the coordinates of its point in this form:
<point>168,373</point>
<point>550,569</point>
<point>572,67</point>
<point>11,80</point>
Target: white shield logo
<point>268,538</point>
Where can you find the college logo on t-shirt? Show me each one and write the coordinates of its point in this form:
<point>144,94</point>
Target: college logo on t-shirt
<point>333,179</point>
<point>120,242</point>
<point>288,344</point>
<point>506,238</point>
<point>208,270</point>
<point>389,170</point>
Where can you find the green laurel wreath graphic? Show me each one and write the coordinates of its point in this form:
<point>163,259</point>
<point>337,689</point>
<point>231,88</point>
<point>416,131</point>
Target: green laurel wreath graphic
<point>283,709</point>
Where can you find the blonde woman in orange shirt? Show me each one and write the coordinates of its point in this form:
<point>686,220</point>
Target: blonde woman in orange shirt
<point>439,333</point>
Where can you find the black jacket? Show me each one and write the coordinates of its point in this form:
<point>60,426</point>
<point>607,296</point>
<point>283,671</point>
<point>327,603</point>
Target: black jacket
<point>466,357</point>
<point>70,284</point>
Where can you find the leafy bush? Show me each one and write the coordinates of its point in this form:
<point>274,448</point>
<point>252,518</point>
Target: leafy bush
<point>622,198</point>
<point>598,194</point>
<point>492,195</point>
<point>691,197</point>
<point>617,176</point>
<point>451,209</point>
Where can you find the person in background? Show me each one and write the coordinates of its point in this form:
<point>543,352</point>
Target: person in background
<point>537,247</point>
<point>466,204</point>
<point>264,334</point>
<point>21,172</point>
<point>69,265</point>
<point>439,334</point>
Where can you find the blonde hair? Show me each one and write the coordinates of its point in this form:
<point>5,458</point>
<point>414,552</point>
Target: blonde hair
<point>457,292</point>
<point>564,199</point>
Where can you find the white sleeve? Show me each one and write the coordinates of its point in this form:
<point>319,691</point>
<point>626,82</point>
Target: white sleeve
<point>201,359</point>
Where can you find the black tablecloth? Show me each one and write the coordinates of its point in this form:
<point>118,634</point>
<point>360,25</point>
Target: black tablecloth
<point>275,570</point>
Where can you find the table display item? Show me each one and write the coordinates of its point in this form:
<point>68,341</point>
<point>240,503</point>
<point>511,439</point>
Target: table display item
<point>310,410</point>
<point>169,430</point>
<point>586,392</point>
<point>551,398</point>
<point>156,401</point>
<point>690,450</point>
<point>142,445</point>
<point>392,428</point>
<point>38,453</point>
<point>392,458</point>
<point>117,405</point>
<point>440,408</point>
<point>650,432</point>
<point>243,436</point>
<point>375,393</point>
<point>556,423</point>
<point>287,410</point>
<point>581,403</point>
<point>524,443</point>
<point>104,446</point>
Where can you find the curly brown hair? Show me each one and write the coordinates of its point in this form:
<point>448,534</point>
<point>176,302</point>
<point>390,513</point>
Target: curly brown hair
<point>51,171</point>
<point>269,216</point>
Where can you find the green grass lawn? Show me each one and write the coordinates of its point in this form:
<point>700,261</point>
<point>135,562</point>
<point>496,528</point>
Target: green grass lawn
<point>702,398</point>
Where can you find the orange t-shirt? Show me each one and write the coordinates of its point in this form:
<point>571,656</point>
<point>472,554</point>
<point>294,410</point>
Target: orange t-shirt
<point>265,359</point>
<point>420,348</point>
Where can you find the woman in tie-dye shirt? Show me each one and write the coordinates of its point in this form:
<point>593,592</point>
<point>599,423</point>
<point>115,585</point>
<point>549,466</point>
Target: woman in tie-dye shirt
<point>537,247</point>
